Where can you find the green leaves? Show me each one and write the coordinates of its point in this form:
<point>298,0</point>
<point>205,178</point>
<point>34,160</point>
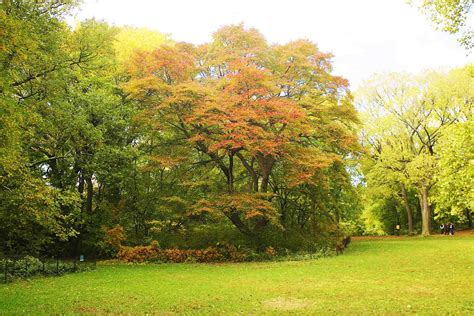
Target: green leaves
<point>409,134</point>
<point>455,179</point>
<point>451,16</point>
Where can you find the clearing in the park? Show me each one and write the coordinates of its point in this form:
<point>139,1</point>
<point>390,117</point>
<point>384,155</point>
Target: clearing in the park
<point>392,276</point>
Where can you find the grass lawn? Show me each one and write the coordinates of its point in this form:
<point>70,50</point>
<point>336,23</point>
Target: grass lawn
<point>384,276</point>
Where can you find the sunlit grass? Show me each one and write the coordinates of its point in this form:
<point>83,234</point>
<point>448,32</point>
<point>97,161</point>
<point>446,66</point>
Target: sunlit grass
<point>407,275</point>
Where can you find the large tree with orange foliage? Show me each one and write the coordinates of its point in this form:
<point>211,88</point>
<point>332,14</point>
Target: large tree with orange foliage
<point>244,107</point>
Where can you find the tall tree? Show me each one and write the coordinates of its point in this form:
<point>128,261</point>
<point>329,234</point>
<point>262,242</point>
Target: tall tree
<point>422,107</point>
<point>243,106</point>
<point>60,100</point>
<point>455,179</point>
<point>32,51</point>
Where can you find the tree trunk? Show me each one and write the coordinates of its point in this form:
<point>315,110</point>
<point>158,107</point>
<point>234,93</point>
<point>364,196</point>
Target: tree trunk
<point>407,208</point>
<point>230,177</point>
<point>253,180</point>
<point>235,219</point>
<point>264,185</point>
<point>266,164</point>
<point>90,194</point>
<point>425,212</point>
<point>469,218</point>
<point>80,187</point>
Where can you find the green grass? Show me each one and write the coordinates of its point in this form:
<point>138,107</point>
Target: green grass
<point>389,276</point>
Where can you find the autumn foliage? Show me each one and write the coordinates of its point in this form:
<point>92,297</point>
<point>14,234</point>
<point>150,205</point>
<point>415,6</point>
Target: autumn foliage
<point>153,253</point>
<point>245,108</point>
<point>112,137</point>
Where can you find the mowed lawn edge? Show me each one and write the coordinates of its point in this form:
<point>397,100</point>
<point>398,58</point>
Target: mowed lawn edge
<point>408,275</point>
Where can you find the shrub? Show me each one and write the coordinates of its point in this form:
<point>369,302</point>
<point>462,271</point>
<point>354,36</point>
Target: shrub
<point>218,253</point>
<point>112,241</point>
<point>270,252</point>
<point>153,253</point>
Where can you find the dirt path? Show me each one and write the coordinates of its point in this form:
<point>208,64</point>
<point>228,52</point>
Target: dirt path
<point>466,232</point>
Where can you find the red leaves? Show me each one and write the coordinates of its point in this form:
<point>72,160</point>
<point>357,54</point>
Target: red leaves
<point>170,64</point>
<point>152,253</point>
<point>238,95</point>
<point>114,237</point>
<point>233,94</point>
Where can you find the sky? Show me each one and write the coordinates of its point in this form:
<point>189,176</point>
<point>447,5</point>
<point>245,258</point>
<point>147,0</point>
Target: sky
<point>365,36</point>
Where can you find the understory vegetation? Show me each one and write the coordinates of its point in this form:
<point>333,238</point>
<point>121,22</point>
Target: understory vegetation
<point>121,142</point>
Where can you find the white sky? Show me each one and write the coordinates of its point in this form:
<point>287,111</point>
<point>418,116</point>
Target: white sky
<point>366,36</point>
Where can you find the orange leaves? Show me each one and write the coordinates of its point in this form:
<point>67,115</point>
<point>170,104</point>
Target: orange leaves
<point>304,162</point>
<point>247,79</point>
<point>276,105</point>
<point>230,144</point>
<point>252,117</point>
<point>204,206</point>
<point>236,93</point>
<point>185,98</point>
<point>114,236</point>
<point>141,254</point>
<point>171,64</point>
<point>197,138</point>
<point>250,205</point>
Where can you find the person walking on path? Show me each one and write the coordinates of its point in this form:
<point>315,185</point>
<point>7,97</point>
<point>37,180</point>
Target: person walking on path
<point>451,229</point>
<point>446,228</point>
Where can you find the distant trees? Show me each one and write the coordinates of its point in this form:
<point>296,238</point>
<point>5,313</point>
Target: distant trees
<point>408,120</point>
<point>455,189</point>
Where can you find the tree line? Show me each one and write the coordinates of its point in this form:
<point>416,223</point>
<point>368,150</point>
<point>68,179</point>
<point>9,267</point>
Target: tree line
<point>121,133</point>
<point>419,138</point>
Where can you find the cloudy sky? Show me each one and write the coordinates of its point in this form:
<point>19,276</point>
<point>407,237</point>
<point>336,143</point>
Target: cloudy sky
<point>366,36</point>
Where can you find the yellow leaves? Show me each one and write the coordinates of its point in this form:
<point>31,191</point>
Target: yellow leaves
<point>129,40</point>
<point>300,54</point>
<point>170,64</point>
<point>141,88</point>
<point>184,100</point>
<point>234,41</point>
<point>165,161</point>
<point>422,169</point>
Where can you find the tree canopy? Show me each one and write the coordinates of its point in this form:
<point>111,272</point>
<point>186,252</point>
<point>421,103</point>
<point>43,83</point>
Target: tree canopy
<point>118,135</point>
<point>452,16</point>
<point>409,120</point>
